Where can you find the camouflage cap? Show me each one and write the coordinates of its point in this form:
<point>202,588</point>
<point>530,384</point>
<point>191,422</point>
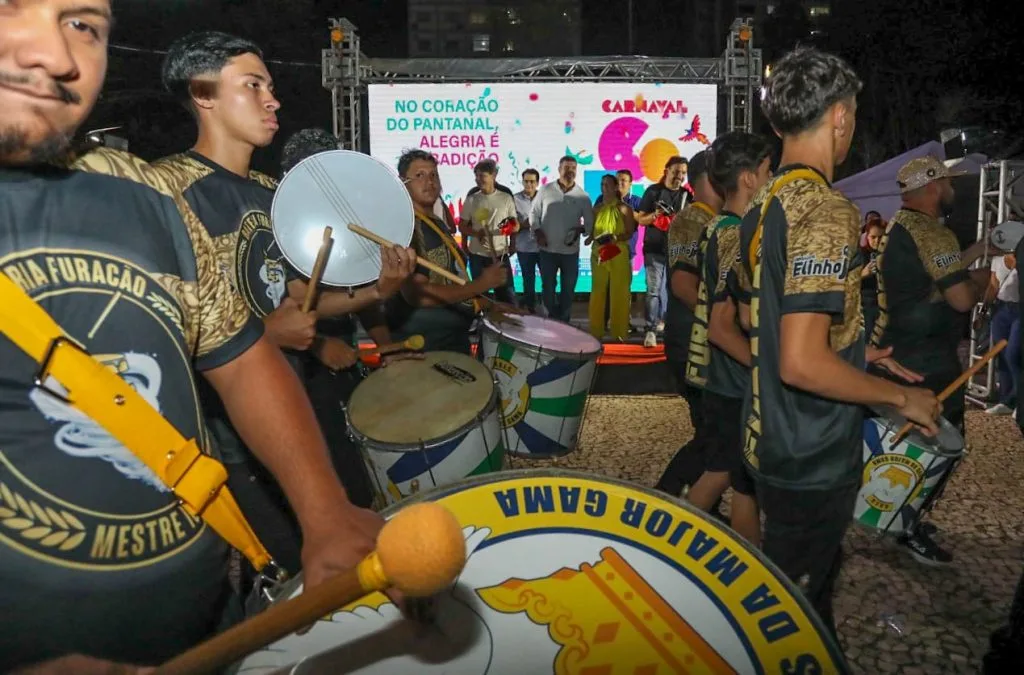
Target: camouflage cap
<point>919,172</point>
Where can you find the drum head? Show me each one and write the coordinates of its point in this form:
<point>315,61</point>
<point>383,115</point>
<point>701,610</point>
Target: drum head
<point>567,568</point>
<point>1006,236</point>
<point>413,402</point>
<point>548,334</point>
<point>335,188</point>
<point>948,443</point>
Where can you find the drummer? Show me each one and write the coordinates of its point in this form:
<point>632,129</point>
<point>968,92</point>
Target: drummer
<point>432,305</point>
<point>222,81</point>
<point>925,296</point>
<point>132,578</point>
<point>719,348</point>
<point>804,429</point>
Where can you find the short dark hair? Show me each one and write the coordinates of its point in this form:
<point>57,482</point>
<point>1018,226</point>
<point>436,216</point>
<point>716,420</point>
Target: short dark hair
<point>672,161</point>
<point>198,54</point>
<point>414,155</point>
<point>732,154</point>
<point>625,172</point>
<point>567,158</point>
<point>486,166</point>
<point>876,214</point>
<point>803,85</point>
<point>305,143</point>
<point>532,172</point>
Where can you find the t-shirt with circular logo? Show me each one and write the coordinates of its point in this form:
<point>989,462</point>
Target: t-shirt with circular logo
<point>96,555</point>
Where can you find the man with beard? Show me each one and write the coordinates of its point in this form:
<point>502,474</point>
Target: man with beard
<point>925,296</point>
<point>222,81</point>
<point>120,572</point>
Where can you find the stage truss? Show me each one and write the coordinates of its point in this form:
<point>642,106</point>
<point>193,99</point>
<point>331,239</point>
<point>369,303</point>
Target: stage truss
<point>347,72</point>
<point>1000,198</point>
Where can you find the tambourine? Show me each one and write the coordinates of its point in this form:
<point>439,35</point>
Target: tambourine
<point>333,189</point>
<point>1006,236</point>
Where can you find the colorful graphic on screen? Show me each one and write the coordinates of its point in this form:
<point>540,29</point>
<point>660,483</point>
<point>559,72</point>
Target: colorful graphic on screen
<point>606,127</point>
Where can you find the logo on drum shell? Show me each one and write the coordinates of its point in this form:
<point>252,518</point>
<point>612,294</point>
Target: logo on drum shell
<point>515,407</point>
<point>891,481</point>
<point>454,372</point>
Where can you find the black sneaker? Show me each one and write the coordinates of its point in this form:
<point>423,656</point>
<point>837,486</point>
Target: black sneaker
<point>925,551</point>
<point>927,528</point>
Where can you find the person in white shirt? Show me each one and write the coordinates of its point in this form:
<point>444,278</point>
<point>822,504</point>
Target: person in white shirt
<point>526,243</point>
<point>560,214</point>
<point>1006,326</point>
<point>488,220</point>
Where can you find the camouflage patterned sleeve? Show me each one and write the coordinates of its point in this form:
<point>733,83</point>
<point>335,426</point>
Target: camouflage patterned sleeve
<point>728,258</point>
<point>684,242</point>
<point>819,250</point>
<point>940,254</point>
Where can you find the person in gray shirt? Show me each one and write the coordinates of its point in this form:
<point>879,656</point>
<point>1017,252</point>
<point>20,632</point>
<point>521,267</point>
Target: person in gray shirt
<point>560,214</point>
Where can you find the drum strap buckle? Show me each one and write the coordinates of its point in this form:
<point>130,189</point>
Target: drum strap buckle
<point>267,585</point>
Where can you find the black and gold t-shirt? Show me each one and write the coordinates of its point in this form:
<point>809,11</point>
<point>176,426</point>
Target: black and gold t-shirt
<point>96,556</point>
<point>810,233</point>
<point>919,258</point>
<point>699,354</point>
<point>686,236</point>
<point>725,376</point>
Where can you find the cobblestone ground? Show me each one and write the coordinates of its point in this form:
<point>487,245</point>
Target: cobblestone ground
<point>894,615</point>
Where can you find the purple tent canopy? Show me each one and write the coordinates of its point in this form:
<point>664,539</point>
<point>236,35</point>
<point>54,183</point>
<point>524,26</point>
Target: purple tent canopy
<point>875,189</point>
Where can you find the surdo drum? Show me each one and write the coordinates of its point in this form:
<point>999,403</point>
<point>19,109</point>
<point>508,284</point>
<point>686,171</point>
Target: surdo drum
<point>573,574</point>
<point>422,424</point>
<point>897,480</point>
<point>545,370</point>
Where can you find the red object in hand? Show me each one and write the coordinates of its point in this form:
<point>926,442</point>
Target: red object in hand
<point>509,226</point>
<point>608,251</point>
<point>662,222</point>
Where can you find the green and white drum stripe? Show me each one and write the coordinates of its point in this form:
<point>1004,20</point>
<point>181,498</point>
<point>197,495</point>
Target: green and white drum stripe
<point>897,480</point>
<point>545,370</point>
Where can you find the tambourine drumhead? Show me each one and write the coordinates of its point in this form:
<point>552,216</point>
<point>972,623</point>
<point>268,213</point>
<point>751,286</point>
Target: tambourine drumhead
<point>552,336</point>
<point>410,402</point>
<point>948,442</point>
<point>570,573</point>
<point>1006,236</point>
<point>335,188</point>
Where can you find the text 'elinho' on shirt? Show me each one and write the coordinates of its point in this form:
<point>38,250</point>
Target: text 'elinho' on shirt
<point>96,555</point>
<point>808,240</point>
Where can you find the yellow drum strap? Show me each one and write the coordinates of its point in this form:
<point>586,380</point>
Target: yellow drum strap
<point>781,182</point>
<point>449,242</point>
<point>197,479</point>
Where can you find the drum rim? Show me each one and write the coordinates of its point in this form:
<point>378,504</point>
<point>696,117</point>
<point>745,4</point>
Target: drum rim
<point>291,172</point>
<point>931,450</point>
<point>436,493</point>
<point>490,406</point>
<point>491,329</point>
<point>1018,225</point>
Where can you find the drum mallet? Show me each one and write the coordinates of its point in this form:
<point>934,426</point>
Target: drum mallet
<point>318,270</point>
<point>954,385</point>
<point>413,343</point>
<point>420,551</point>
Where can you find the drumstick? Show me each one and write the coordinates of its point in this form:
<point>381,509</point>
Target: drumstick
<point>318,270</point>
<point>377,239</point>
<point>954,385</point>
<point>420,551</point>
<point>413,343</point>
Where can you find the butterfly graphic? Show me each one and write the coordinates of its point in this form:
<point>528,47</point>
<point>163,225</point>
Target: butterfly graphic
<point>694,134</point>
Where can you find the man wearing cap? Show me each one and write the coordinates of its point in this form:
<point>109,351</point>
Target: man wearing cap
<point>925,293</point>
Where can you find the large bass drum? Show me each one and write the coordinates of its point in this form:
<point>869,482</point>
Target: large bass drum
<point>574,574</point>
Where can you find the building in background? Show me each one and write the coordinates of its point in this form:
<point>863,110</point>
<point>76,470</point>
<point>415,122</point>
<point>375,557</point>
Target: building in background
<point>706,22</point>
<point>494,28</point>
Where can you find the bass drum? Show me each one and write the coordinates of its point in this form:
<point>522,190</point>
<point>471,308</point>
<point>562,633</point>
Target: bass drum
<point>569,573</point>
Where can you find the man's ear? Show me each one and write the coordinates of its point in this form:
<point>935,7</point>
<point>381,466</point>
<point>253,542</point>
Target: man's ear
<point>203,93</point>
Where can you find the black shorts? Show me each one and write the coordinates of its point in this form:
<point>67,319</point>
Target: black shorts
<point>723,452</point>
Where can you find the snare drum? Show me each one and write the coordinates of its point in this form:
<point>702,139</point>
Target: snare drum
<point>545,370</point>
<point>570,573</point>
<point>427,423</point>
<point>897,480</point>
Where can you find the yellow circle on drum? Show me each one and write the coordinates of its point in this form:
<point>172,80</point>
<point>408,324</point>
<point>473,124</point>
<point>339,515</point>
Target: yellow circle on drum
<point>570,574</point>
<point>414,401</point>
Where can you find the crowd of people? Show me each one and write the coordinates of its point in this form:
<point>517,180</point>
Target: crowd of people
<point>168,271</point>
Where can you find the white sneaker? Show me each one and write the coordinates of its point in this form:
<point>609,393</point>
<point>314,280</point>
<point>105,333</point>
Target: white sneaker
<point>650,339</point>
<point>1000,409</point>
<point>661,327</point>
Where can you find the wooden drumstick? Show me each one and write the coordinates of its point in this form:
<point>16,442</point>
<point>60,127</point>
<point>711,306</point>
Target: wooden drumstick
<point>411,343</point>
<point>318,269</point>
<point>419,552</point>
<point>954,385</point>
